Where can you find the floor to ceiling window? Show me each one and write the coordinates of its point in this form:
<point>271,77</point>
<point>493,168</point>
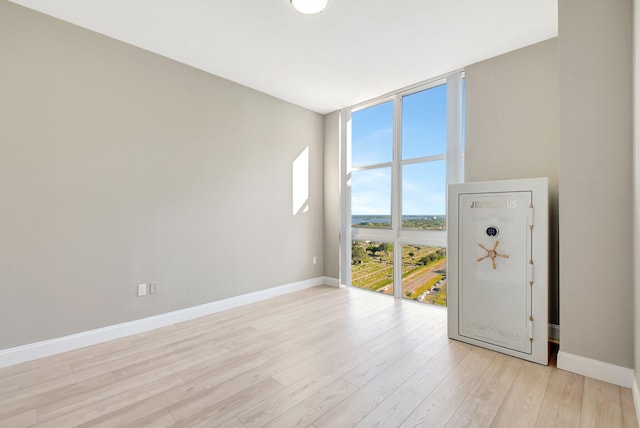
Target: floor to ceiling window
<point>398,155</point>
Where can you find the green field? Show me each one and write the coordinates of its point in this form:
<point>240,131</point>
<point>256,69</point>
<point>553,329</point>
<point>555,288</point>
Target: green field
<point>372,269</point>
<point>436,222</point>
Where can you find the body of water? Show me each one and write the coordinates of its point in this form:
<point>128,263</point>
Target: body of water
<point>357,219</point>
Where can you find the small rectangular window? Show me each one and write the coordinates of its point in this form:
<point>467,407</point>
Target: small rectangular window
<point>371,198</point>
<point>372,266</point>
<point>424,195</point>
<point>372,135</point>
<point>424,123</point>
<point>424,274</point>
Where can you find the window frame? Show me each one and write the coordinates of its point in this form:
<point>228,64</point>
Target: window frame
<point>453,164</point>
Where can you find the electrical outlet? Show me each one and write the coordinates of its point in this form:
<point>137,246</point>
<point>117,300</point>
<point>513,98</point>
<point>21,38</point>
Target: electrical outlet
<point>315,260</point>
<point>142,290</point>
<point>153,288</point>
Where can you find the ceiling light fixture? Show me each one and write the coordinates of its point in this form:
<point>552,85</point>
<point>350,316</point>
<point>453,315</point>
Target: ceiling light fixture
<point>309,7</point>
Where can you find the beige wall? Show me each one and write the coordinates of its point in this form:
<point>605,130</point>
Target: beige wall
<point>512,128</point>
<point>595,81</point>
<point>636,193</point>
<point>331,194</point>
<point>119,167</point>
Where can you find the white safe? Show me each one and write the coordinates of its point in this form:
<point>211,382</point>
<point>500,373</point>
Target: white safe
<point>497,266</point>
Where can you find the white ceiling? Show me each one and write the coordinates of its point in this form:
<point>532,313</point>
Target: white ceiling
<point>353,51</point>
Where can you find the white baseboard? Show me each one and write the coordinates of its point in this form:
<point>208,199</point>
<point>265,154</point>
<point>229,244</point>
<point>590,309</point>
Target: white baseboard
<point>554,332</point>
<point>600,370</point>
<point>33,351</point>
<point>334,282</point>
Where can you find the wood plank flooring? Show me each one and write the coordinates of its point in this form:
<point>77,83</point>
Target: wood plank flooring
<point>322,357</point>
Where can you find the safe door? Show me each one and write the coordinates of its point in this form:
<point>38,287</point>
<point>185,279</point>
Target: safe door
<point>496,302</point>
<point>495,248</point>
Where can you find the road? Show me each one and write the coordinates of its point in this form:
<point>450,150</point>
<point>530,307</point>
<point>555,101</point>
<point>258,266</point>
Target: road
<point>416,279</point>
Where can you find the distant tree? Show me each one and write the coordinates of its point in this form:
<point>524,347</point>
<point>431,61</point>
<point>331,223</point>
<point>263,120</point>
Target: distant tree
<point>358,254</point>
<point>411,254</point>
<point>371,249</point>
<point>386,248</point>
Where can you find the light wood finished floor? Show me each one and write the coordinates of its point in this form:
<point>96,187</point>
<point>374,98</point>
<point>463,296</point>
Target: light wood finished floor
<point>322,357</point>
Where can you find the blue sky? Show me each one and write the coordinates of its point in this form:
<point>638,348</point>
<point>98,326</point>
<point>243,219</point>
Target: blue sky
<point>423,134</point>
